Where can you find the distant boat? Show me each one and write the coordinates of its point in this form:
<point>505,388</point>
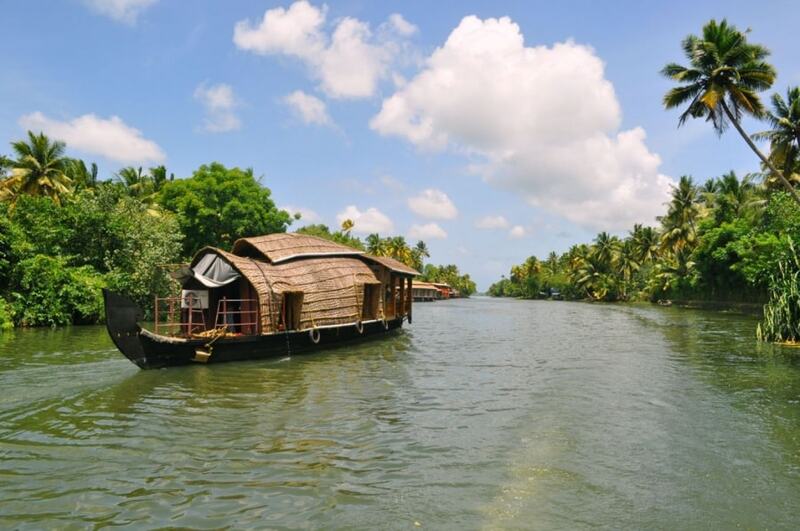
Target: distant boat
<point>274,295</point>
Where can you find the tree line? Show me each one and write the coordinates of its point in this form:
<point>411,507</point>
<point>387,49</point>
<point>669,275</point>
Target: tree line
<point>725,239</point>
<point>65,234</point>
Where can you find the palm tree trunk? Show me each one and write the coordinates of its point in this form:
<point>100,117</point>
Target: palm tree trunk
<point>764,159</point>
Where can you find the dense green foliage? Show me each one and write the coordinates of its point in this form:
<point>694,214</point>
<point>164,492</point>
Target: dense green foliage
<point>782,313</point>
<point>217,205</point>
<point>724,241</point>
<point>64,234</point>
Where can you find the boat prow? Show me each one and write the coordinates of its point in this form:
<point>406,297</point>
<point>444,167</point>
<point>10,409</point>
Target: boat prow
<point>122,321</point>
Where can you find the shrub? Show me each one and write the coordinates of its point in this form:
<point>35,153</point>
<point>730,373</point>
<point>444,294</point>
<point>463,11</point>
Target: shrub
<point>49,292</point>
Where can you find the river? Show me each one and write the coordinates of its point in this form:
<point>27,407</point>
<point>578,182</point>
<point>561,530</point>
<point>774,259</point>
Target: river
<point>484,414</point>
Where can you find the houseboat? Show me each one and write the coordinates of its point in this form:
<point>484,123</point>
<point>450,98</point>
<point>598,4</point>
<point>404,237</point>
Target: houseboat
<point>274,295</point>
<point>425,292</point>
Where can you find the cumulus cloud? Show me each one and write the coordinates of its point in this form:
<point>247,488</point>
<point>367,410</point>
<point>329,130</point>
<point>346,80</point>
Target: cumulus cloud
<point>517,231</point>
<point>348,63</point>
<point>306,214</point>
<point>401,25</point>
<point>492,222</point>
<point>107,137</point>
<point>308,108</point>
<point>540,121</point>
<point>126,11</point>
<point>220,103</point>
<point>428,231</point>
<point>366,222</point>
<point>433,204</point>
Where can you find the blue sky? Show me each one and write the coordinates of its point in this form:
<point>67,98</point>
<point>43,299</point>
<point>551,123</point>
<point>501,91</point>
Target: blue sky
<point>432,119</point>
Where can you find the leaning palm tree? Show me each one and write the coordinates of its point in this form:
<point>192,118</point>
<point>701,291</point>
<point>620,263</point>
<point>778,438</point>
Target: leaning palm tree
<point>784,137</point>
<point>722,83</point>
<point>39,170</point>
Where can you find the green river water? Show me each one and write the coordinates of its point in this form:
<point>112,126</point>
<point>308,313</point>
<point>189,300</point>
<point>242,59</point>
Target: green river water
<point>484,414</point>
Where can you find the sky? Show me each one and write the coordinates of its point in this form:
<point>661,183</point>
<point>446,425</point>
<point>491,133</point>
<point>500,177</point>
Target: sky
<point>491,130</point>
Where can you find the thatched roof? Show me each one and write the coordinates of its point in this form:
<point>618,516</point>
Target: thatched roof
<point>424,285</point>
<point>280,247</point>
<point>392,264</point>
<point>332,286</point>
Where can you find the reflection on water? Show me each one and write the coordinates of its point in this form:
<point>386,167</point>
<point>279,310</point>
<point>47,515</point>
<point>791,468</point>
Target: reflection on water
<point>485,414</point>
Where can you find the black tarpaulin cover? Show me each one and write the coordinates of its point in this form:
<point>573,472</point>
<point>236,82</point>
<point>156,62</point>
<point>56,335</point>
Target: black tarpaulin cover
<point>212,271</point>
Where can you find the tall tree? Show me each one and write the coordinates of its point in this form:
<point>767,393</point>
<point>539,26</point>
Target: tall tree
<point>218,205</point>
<point>39,170</point>
<point>722,83</point>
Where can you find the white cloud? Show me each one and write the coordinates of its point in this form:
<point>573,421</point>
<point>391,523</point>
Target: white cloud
<point>306,214</point>
<point>308,108</point>
<point>110,138</point>
<point>219,102</point>
<point>348,63</point>
<point>543,122</point>
<point>517,231</point>
<point>428,231</point>
<point>433,204</point>
<point>126,11</point>
<point>366,222</point>
<point>401,25</point>
<point>492,222</point>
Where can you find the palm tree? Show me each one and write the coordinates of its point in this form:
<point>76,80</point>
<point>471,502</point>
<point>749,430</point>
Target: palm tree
<point>627,263</point>
<point>347,226</point>
<point>722,82</point>
<point>605,250</point>
<point>733,196</point>
<point>646,243</point>
<point>82,177</point>
<point>784,137</point>
<point>399,250</point>
<point>39,170</point>
<point>418,254</point>
<point>679,224</point>
<point>376,245</point>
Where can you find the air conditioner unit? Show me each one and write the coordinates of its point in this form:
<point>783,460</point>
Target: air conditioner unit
<point>194,298</point>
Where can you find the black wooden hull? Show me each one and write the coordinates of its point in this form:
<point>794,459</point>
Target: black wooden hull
<point>150,351</point>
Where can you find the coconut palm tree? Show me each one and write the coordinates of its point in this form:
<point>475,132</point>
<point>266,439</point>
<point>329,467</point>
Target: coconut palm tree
<point>398,249</point>
<point>39,170</point>
<point>82,177</point>
<point>376,245</point>
<point>347,226</point>
<point>679,224</point>
<point>418,255</point>
<point>722,83</point>
<point>646,243</point>
<point>605,250</point>
<point>784,137</point>
<point>734,196</point>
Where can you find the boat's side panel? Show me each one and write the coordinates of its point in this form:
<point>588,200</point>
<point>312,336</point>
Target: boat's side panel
<point>164,354</point>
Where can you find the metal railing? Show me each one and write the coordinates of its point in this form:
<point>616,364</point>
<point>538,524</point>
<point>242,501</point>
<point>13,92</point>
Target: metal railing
<point>227,314</point>
<point>174,325</point>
